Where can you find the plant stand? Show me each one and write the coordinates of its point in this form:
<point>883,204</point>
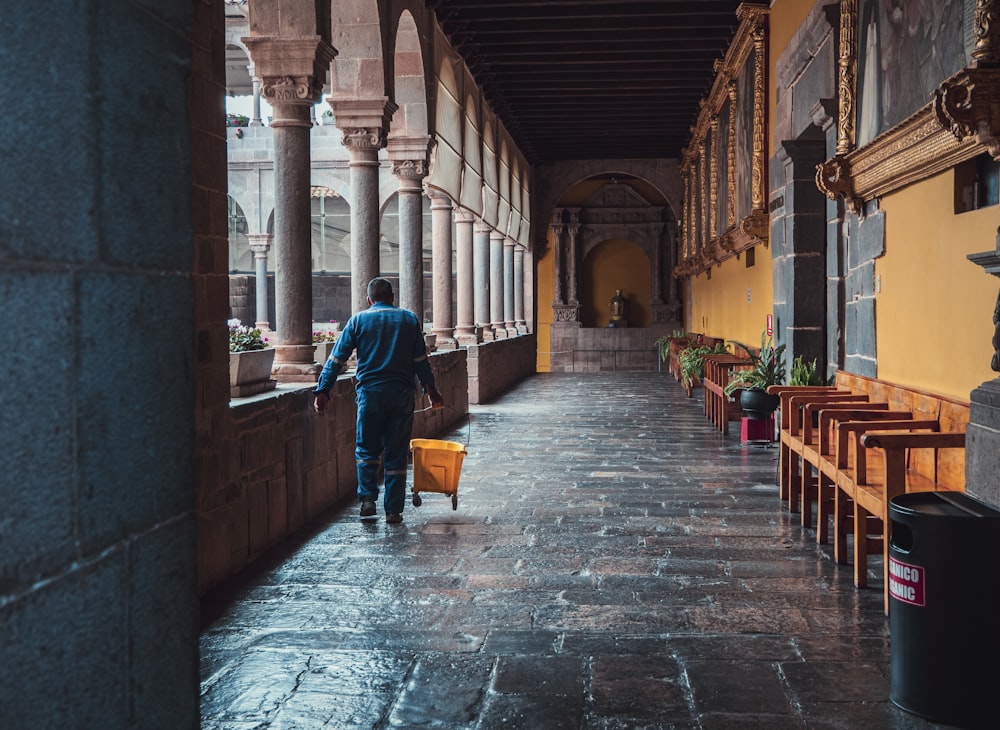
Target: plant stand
<point>757,429</point>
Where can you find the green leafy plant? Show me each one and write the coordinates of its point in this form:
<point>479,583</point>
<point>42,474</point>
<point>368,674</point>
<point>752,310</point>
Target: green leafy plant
<point>243,338</point>
<point>663,343</point>
<point>806,373</point>
<point>237,120</point>
<point>692,361</point>
<point>768,367</point>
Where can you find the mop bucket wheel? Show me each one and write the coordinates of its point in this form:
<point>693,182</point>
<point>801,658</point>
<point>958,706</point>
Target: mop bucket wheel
<point>436,468</point>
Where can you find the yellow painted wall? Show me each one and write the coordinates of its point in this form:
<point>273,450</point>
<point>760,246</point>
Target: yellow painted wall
<point>545,292</point>
<point>615,264</point>
<point>935,308</point>
<point>719,306</point>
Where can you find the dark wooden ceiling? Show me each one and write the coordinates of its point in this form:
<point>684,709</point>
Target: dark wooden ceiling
<point>592,79</point>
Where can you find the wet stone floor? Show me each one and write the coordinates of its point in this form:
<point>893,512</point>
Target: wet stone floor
<point>614,562</point>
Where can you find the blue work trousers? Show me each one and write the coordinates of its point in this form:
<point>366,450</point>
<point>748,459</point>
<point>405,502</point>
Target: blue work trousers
<point>385,422</point>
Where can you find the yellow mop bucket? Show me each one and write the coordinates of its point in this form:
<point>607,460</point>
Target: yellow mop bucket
<point>436,467</point>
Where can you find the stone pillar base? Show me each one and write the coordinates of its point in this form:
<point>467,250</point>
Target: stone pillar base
<point>297,372</point>
<point>512,331</point>
<point>982,443</point>
<point>466,340</point>
<point>295,364</point>
<point>500,333</point>
<point>446,343</point>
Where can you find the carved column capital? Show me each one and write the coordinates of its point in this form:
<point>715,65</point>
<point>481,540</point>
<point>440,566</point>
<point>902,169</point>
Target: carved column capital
<point>464,215</point>
<point>364,122</point>
<point>260,243</point>
<point>409,156</point>
<point>440,200</point>
<point>291,70</point>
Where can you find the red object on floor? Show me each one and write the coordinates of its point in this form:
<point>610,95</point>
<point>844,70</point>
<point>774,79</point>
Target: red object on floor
<point>754,429</point>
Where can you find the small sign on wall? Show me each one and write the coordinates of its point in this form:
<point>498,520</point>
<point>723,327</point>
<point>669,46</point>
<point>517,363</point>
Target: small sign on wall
<point>770,325</point>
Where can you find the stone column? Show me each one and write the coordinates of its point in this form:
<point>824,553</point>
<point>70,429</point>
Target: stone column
<point>465,332</point>
<point>255,121</point>
<point>557,227</point>
<point>508,287</point>
<point>519,259</point>
<point>481,275</point>
<point>441,210</point>
<point>496,285</point>
<point>260,244</point>
<point>982,445</point>
<point>292,72</point>
<point>409,164</point>
<point>364,123</point>
<point>571,256</point>
<point>292,238</point>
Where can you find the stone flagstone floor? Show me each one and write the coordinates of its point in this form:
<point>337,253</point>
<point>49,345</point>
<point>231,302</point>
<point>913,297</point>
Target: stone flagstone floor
<point>614,562</point>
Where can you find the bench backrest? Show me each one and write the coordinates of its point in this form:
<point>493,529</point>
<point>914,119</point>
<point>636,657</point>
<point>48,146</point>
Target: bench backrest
<point>944,466</point>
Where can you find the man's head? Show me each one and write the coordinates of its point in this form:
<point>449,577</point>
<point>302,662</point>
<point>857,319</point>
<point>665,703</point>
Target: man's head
<point>379,290</point>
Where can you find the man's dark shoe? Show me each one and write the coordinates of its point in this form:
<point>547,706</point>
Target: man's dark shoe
<point>393,518</point>
<point>367,509</point>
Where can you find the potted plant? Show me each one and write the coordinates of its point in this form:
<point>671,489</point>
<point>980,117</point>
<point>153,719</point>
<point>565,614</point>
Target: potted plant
<point>692,362</point>
<point>324,339</point>
<point>250,361</point>
<point>767,368</point>
<point>803,373</point>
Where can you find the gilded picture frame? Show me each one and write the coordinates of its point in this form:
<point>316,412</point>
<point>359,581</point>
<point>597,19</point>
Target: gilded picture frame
<point>723,166</point>
<point>877,152</point>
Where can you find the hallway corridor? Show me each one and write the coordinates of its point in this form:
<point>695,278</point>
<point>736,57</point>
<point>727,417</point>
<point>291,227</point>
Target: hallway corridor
<point>614,562</point>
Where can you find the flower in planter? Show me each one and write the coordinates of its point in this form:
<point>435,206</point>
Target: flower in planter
<point>239,134</point>
<point>324,336</point>
<point>237,120</point>
<point>243,338</point>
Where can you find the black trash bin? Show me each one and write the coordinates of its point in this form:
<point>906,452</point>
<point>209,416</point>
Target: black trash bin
<point>944,608</point>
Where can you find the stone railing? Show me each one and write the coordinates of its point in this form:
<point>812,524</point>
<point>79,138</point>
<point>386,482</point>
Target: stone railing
<point>283,466</point>
<point>496,366</point>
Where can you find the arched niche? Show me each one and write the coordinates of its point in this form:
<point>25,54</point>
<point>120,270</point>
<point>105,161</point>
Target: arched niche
<point>609,265</point>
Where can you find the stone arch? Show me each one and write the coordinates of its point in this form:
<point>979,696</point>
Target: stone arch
<point>361,69</point>
<point>409,90</point>
<point>240,255</point>
<point>330,227</point>
<point>238,79</point>
<point>446,170</point>
<point>491,186</point>
<point>472,169</point>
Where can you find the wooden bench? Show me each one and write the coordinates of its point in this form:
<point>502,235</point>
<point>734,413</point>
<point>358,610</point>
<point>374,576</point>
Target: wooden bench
<point>873,440</point>
<point>718,372</point>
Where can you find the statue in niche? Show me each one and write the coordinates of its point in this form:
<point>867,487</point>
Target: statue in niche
<point>619,310</point>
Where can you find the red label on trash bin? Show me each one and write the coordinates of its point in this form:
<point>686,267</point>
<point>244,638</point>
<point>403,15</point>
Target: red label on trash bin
<point>906,582</point>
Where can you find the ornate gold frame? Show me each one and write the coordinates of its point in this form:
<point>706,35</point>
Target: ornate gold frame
<point>962,121</point>
<point>702,244</point>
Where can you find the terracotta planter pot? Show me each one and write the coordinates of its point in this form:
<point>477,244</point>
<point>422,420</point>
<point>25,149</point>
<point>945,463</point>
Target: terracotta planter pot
<point>250,372</point>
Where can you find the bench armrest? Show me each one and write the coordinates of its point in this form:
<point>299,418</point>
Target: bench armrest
<point>857,429</point>
<point>894,445</point>
<point>891,440</point>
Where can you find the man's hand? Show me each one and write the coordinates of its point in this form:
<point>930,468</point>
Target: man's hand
<point>437,400</point>
<point>319,405</point>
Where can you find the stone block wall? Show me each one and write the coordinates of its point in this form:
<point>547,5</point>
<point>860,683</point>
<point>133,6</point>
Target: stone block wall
<point>496,366</point>
<point>284,466</point>
<point>98,596</point>
<point>597,349</point>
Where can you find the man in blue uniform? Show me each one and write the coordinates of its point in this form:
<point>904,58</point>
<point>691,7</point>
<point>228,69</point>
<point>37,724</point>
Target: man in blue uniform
<point>391,351</point>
